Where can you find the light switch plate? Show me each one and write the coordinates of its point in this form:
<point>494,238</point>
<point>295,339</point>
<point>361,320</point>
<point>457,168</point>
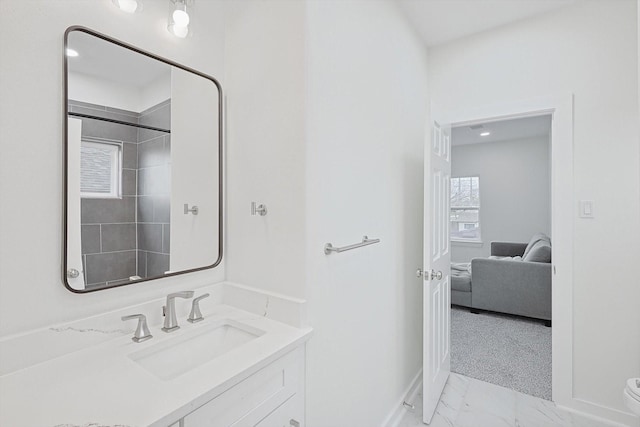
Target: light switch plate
<point>586,208</point>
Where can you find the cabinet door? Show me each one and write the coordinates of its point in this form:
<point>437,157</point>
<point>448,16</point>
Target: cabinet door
<point>289,414</point>
<point>250,401</point>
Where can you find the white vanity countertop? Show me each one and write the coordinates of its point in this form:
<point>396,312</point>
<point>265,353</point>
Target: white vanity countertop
<point>100,385</point>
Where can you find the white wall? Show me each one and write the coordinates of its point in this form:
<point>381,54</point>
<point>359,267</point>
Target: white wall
<point>589,49</point>
<point>334,153</point>
<point>31,101</point>
<point>157,91</point>
<point>515,192</point>
<point>264,61</point>
<point>366,118</point>
<point>94,90</point>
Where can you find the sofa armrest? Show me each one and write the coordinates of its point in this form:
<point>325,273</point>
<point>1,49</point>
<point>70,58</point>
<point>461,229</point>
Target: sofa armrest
<point>507,249</point>
<point>515,287</point>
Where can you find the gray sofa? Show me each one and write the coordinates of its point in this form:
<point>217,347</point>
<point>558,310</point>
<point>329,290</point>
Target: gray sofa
<point>516,279</point>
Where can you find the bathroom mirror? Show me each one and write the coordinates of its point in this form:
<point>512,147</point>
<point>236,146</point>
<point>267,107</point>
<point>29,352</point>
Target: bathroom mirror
<point>143,172</point>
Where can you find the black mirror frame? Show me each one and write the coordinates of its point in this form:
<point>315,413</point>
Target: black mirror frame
<point>66,157</point>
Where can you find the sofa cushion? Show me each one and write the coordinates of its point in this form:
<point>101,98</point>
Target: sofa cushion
<point>461,276</point>
<point>538,237</point>
<point>461,281</point>
<point>540,252</point>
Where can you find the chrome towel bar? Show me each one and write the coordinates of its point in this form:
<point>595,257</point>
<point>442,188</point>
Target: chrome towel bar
<point>328,248</point>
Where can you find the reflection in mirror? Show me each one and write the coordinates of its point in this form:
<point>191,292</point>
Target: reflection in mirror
<point>143,141</point>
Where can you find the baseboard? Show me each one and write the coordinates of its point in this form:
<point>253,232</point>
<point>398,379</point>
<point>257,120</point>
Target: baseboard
<point>607,416</point>
<point>409,395</point>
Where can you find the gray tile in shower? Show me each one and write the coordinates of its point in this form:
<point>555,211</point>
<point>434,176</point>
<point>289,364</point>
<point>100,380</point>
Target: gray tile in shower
<point>118,237</point>
<point>125,112</point>
<point>129,182</point>
<point>95,286</point>
<point>74,103</point>
<point>147,134</point>
<point>110,266</point>
<point>158,116</point>
<point>150,237</point>
<point>130,155</point>
<point>142,263</point>
<point>105,114</point>
<point>157,264</point>
<point>145,208</point>
<point>161,208</point>
<point>152,153</point>
<point>119,282</point>
<point>157,106</point>
<point>154,181</point>
<point>100,129</point>
<point>90,237</point>
<point>98,211</point>
<point>166,240</point>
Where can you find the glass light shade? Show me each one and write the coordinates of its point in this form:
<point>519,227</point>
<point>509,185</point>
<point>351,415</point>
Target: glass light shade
<point>179,31</point>
<point>129,6</point>
<point>180,17</point>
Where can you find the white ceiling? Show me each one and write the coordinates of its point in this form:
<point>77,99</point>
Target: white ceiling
<point>505,130</point>
<point>108,61</point>
<point>441,21</point>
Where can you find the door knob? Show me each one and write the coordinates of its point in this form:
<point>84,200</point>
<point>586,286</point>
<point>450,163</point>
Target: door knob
<point>419,273</point>
<point>435,275</point>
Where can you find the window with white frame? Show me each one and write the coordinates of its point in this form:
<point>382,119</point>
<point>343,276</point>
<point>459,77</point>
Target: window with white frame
<point>465,209</point>
<point>100,169</point>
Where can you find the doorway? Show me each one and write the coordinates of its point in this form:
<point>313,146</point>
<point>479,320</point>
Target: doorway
<point>500,232</point>
<point>436,321</point>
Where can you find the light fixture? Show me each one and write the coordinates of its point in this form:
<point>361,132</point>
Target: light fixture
<point>180,15</point>
<point>71,53</point>
<point>179,19</point>
<point>129,6</point>
<point>485,134</point>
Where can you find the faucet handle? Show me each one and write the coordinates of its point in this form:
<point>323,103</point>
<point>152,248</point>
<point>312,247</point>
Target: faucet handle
<point>142,332</point>
<point>196,315</point>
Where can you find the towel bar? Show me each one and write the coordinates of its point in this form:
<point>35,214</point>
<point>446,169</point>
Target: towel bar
<point>328,248</point>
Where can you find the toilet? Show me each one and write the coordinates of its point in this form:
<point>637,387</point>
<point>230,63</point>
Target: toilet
<point>632,395</point>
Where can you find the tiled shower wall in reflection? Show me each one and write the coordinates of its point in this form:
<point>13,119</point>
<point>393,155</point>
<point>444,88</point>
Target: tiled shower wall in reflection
<point>129,237</point>
<point>154,191</point>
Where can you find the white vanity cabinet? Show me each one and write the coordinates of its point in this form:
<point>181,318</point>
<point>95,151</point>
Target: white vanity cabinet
<point>254,383</point>
<point>272,397</point>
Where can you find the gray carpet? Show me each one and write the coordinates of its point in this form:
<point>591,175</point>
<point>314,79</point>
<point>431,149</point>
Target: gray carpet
<point>504,350</point>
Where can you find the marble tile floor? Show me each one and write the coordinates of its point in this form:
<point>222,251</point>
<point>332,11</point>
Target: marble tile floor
<point>467,402</point>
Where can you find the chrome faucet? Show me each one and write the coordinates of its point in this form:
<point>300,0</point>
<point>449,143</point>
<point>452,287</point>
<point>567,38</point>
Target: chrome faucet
<point>169,310</point>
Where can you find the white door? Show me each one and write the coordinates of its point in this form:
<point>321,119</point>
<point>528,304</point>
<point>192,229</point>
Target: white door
<point>437,268</point>
<point>75,271</point>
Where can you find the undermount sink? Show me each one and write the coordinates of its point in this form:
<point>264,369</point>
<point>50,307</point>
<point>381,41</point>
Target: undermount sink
<point>174,357</point>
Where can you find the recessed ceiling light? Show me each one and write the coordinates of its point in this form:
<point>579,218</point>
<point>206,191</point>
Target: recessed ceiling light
<point>485,134</point>
<point>71,52</point>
